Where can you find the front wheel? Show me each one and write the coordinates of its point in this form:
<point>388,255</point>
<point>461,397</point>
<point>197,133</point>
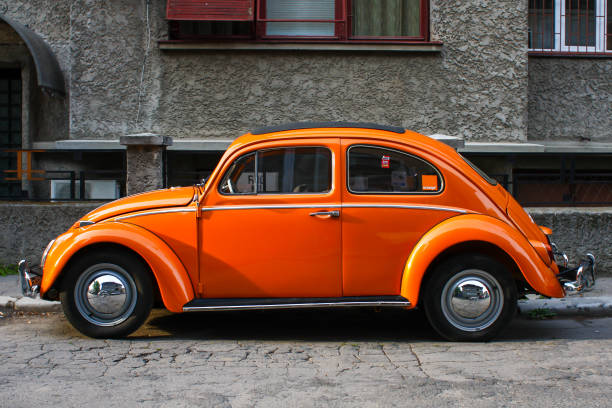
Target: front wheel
<point>470,298</point>
<point>107,293</point>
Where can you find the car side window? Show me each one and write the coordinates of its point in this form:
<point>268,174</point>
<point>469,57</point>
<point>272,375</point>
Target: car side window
<point>374,169</point>
<point>294,170</point>
<point>240,178</point>
<point>280,171</point>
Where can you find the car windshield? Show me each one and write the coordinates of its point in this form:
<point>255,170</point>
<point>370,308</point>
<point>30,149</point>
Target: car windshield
<point>484,175</point>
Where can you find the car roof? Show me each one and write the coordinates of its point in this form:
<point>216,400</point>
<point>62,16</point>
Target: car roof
<point>309,130</point>
<point>313,125</point>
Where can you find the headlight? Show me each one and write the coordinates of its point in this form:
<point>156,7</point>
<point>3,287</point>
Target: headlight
<point>46,251</point>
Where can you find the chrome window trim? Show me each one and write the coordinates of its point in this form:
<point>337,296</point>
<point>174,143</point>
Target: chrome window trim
<point>333,205</point>
<point>348,175</point>
<point>257,193</point>
<point>293,207</point>
<point>167,211</point>
<point>407,207</point>
<point>269,207</point>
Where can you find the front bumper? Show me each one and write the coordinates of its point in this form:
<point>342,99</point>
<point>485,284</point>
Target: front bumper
<point>579,279</point>
<point>29,279</point>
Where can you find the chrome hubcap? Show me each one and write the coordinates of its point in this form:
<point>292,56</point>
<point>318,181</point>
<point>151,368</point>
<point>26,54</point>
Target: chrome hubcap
<point>105,294</point>
<point>472,300</point>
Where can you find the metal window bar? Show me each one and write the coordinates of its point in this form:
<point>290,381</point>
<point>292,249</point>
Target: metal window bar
<point>71,175</point>
<point>564,187</point>
<point>570,27</point>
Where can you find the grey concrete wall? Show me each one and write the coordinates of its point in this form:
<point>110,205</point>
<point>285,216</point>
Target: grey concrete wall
<point>570,99</point>
<point>144,168</point>
<point>27,228</point>
<point>108,44</point>
<point>476,87</point>
<point>580,230</point>
<point>121,83</point>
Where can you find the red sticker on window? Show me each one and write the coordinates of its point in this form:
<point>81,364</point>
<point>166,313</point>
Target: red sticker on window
<point>384,162</point>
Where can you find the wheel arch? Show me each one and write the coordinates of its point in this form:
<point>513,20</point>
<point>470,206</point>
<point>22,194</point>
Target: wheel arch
<point>170,276</point>
<point>474,247</point>
<point>53,292</point>
<point>477,232</point>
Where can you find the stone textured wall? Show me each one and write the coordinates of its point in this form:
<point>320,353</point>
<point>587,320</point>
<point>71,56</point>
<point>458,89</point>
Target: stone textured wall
<point>476,87</point>
<point>108,52</point>
<point>121,83</point>
<point>27,228</point>
<point>578,231</point>
<point>570,99</point>
<point>144,168</point>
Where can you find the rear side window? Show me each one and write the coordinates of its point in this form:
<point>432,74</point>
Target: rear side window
<point>481,173</point>
<point>380,170</point>
<point>280,171</point>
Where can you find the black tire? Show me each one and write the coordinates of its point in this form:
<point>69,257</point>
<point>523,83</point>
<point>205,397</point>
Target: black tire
<point>112,311</point>
<point>470,297</point>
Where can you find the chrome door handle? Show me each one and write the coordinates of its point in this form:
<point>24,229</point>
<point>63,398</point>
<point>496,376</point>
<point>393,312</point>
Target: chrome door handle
<point>334,213</point>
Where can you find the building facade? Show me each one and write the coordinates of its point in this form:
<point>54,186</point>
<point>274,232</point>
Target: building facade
<point>526,86</point>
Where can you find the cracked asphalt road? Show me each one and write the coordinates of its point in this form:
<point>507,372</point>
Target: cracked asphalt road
<point>321,358</point>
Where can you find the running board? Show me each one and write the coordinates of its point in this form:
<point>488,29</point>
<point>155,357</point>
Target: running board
<point>198,305</point>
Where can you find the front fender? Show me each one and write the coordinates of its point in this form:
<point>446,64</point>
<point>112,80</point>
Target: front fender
<point>477,227</point>
<point>172,278</point>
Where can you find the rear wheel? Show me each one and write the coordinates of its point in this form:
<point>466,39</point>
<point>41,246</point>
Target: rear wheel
<point>470,298</point>
<point>107,293</point>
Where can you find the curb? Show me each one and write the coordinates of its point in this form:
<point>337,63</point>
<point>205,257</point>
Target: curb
<point>589,306</point>
<point>26,304</point>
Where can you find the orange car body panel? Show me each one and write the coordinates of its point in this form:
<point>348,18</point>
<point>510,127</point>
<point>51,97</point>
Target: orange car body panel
<point>477,227</point>
<point>171,197</point>
<point>174,284</point>
<point>377,241</point>
<point>265,250</point>
<point>201,243</point>
<point>177,230</point>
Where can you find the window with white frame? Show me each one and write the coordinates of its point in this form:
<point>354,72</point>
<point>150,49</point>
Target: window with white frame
<point>570,26</point>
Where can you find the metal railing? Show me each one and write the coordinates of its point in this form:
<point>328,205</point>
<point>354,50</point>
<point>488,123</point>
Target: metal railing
<point>557,188</point>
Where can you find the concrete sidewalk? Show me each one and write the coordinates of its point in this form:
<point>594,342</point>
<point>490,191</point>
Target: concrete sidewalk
<point>11,298</point>
<point>597,302</point>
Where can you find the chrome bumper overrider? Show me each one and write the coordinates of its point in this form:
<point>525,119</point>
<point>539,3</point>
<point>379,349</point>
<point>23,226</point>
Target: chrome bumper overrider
<point>579,279</point>
<point>29,279</point>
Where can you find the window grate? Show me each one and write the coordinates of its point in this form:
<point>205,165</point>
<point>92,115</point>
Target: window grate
<point>10,130</point>
<point>570,27</point>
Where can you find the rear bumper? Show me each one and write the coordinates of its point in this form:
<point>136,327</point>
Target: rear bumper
<point>29,279</point>
<point>579,279</point>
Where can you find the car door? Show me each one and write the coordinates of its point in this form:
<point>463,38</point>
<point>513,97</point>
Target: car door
<point>391,197</point>
<point>270,224</point>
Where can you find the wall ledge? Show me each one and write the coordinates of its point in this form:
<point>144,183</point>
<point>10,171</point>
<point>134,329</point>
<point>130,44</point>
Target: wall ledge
<point>297,46</point>
<point>570,210</point>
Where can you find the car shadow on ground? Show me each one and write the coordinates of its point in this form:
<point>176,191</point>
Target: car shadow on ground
<point>316,325</point>
<point>346,325</point>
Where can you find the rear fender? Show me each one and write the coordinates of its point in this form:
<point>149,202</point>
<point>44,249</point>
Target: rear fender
<point>173,281</point>
<point>477,227</point>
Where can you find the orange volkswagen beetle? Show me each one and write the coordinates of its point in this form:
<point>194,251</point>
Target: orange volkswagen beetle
<point>311,215</point>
